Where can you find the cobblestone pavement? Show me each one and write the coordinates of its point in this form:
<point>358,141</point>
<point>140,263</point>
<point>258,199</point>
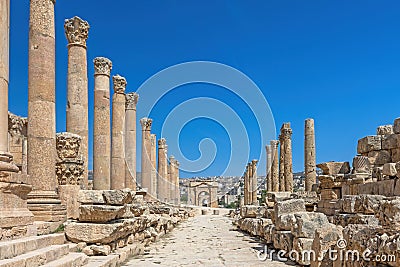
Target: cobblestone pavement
<point>207,240</point>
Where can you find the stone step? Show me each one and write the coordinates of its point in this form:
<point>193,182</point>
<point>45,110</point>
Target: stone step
<point>13,248</point>
<point>103,261</point>
<point>73,259</point>
<point>37,257</point>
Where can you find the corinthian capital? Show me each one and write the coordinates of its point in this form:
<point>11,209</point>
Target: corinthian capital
<point>102,66</point>
<point>274,144</point>
<point>161,143</point>
<point>146,124</point>
<point>131,100</point>
<point>119,84</point>
<point>76,31</point>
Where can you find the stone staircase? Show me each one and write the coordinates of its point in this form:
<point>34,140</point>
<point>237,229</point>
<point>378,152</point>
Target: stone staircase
<point>47,250</point>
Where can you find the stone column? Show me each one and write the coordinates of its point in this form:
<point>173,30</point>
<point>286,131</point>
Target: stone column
<point>130,140</point>
<point>153,158</point>
<point>249,184</point>
<point>287,137</point>
<point>268,182</point>
<point>146,154</point>
<point>171,184</point>
<point>162,173</point>
<point>76,31</point>
<point>254,181</point>
<point>176,180</point>
<point>118,134</point>
<point>275,166</point>
<point>101,124</point>
<point>281,164</point>
<point>245,189</point>
<point>309,155</point>
<point>43,200</point>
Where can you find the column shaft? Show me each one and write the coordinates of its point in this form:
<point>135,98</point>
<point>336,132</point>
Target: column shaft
<point>171,183</point>
<point>254,181</point>
<point>101,125</point>
<point>275,166</point>
<point>4,72</point>
<point>268,182</point>
<point>281,164</point>
<point>162,170</point>
<point>118,134</point>
<point>176,180</point>
<point>309,155</point>
<point>146,154</point>
<point>287,136</point>
<point>153,166</point>
<point>130,140</point>
<point>77,119</point>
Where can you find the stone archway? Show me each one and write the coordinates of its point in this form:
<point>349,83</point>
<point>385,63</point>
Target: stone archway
<point>203,193</point>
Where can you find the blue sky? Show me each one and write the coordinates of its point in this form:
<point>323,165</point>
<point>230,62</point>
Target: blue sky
<point>335,61</point>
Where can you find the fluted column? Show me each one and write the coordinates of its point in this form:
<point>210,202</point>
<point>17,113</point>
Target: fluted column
<point>281,164</point>
<point>268,182</point>
<point>130,140</point>
<point>6,163</point>
<point>254,181</point>
<point>153,157</point>
<point>101,124</point>
<point>118,134</point>
<point>287,137</point>
<point>146,154</point>
<point>76,31</point>
<point>309,155</point>
<point>171,184</point>
<point>275,166</point>
<point>162,170</point>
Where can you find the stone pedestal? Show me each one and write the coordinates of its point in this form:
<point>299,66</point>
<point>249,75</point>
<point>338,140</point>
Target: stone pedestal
<point>275,166</point>
<point>101,124</point>
<point>309,155</point>
<point>146,153</point>
<point>76,31</point>
<point>130,140</point>
<point>43,201</point>
<point>162,173</point>
<point>118,131</point>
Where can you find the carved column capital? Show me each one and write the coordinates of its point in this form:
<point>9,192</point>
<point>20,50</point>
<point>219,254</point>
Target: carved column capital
<point>254,162</point>
<point>102,66</point>
<point>119,84</point>
<point>76,31</point>
<point>146,124</point>
<point>274,144</point>
<point>286,133</point>
<point>162,143</point>
<point>131,100</point>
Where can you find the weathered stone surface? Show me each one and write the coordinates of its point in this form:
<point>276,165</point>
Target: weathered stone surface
<point>396,126</point>
<point>118,197</point>
<point>361,164</point>
<point>100,213</point>
<point>369,143</point>
<point>249,211</point>
<point>289,206</point>
<point>346,219</point>
<point>388,213</point>
<point>303,246</point>
<point>385,130</point>
<point>325,238</point>
<point>389,169</point>
<point>379,157</point>
<point>89,197</point>
<point>364,204</point>
<point>390,141</point>
<point>395,154</point>
<point>305,223</point>
<point>283,240</point>
<point>334,168</point>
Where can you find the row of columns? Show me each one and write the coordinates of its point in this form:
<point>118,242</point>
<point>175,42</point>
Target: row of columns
<point>250,183</point>
<point>279,176</point>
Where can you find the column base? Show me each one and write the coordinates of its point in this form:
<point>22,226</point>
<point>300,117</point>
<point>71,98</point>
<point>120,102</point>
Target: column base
<point>6,162</point>
<point>46,206</point>
<point>16,220</point>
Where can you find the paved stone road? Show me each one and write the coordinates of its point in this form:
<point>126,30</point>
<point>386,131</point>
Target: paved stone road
<point>207,240</point>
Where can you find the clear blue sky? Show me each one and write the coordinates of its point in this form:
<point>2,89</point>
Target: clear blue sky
<point>335,61</point>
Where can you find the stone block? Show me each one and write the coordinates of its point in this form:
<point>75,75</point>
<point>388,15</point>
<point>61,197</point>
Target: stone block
<point>69,197</point>
<point>283,222</point>
<point>289,206</point>
<point>248,211</point>
<point>369,143</point>
<point>395,154</point>
<point>389,213</point>
<point>304,223</point>
<point>325,238</point>
<point>379,157</point>
<point>118,197</point>
<point>303,246</point>
<point>91,197</point>
<point>385,130</point>
<point>278,196</point>
<point>344,219</point>
<point>367,204</point>
<point>390,141</point>
<point>100,213</point>
<point>396,191</point>
<point>361,164</point>
<point>389,169</point>
<point>396,126</point>
<point>328,194</point>
<point>268,233</point>
<point>385,187</point>
<point>334,168</point>
<point>283,240</point>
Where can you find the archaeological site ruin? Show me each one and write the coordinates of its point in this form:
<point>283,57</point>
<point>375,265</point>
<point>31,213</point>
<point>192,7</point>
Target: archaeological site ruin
<point>55,211</point>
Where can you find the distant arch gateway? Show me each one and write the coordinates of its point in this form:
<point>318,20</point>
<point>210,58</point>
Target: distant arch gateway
<point>203,193</point>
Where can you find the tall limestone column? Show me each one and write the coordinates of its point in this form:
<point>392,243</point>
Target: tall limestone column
<point>76,31</point>
<point>254,181</point>
<point>249,184</point>
<point>153,157</point>
<point>176,180</point>
<point>146,154</point>
<point>43,201</point>
<point>171,184</point>
<point>118,134</point>
<point>268,182</point>
<point>287,137</point>
<point>309,155</point>
<point>281,164</point>
<point>245,186</point>
<point>162,171</point>
<point>130,140</point>
<point>275,166</point>
<point>101,124</point>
